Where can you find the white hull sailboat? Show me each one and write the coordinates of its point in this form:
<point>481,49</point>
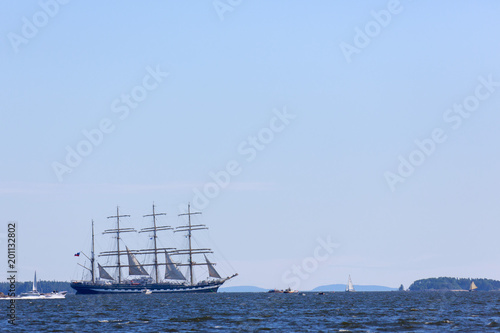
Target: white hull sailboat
<point>35,294</point>
<point>350,286</point>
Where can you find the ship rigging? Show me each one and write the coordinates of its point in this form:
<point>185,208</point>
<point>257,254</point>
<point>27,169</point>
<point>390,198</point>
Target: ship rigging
<point>138,278</point>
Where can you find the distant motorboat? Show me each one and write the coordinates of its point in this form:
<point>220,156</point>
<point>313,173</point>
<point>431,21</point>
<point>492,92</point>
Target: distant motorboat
<point>290,291</point>
<point>146,291</point>
<point>350,286</point>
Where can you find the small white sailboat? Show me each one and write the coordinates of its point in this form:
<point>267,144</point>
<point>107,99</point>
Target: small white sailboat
<point>472,286</point>
<point>35,294</point>
<point>350,286</point>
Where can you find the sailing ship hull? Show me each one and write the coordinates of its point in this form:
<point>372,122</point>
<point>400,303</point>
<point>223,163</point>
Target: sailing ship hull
<point>121,288</point>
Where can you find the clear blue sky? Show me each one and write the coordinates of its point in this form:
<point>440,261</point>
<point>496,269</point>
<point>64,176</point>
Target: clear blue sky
<point>321,174</point>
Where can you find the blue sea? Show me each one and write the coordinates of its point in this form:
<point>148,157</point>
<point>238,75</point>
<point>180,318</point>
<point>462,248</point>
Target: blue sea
<point>253,312</point>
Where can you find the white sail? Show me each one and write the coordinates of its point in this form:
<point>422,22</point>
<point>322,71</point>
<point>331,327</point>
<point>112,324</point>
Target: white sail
<point>33,294</point>
<point>472,286</point>
<point>103,274</point>
<point>211,270</point>
<point>171,270</point>
<point>34,284</point>
<point>350,286</point>
<point>134,267</point>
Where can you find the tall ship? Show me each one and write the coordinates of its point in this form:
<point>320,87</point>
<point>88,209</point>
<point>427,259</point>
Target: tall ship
<point>164,274</point>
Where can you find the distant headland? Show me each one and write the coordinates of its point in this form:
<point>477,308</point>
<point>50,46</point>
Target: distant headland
<point>430,284</point>
<point>457,284</point>
<point>326,288</point>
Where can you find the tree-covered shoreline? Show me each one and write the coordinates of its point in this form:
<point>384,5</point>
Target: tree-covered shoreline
<point>42,286</point>
<point>449,283</point>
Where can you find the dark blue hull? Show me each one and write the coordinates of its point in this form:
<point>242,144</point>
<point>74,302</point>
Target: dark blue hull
<point>121,288</point>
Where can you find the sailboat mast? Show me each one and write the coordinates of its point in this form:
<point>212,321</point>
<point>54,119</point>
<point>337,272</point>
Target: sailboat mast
<point>92,258</point>
<point>118,240</point>
<point>190,250</point>
<point>155,229</point>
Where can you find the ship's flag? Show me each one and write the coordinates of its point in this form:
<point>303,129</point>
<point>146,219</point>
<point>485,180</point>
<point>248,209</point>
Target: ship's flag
<point>77,254</point>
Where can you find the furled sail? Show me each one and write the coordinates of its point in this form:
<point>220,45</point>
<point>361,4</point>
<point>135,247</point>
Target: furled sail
<point>103,274</point>
<point>171,270</point>
<point>135,268</point>
<point>211,270</point>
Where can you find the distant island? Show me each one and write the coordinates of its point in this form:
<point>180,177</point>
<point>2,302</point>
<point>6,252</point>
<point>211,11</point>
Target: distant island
<point>341,287</point>
<point>242,289</point>
<point>327,288</point>
<point>448,283</point>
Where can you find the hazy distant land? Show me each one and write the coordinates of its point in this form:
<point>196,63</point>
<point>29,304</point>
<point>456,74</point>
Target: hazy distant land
<point>341,287</point>
<point>48,286</point>
<point>430,284</point>
<point>242,289</point>
<point>330,287</point>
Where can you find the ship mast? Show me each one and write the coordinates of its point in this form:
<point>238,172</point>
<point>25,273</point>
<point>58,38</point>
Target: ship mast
<point>92,257</point>
<point>117,231</point>
<point>155,229</point>
<point>92,260</point>
<point>190,251</point>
